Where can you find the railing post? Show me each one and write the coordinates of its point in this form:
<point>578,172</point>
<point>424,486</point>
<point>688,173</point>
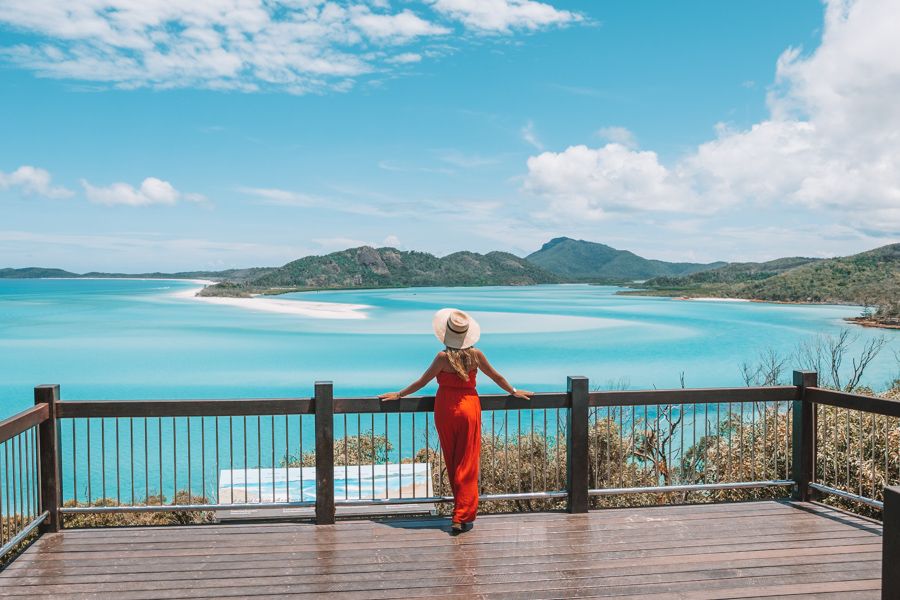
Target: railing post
<point>324,410</point>
<point>803,463</point>
<point>577,458</point>
<point>48,449</point>
<point>890,543</point>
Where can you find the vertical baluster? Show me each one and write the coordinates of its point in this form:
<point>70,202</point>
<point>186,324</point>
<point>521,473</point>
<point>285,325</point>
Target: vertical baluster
<point>146,465</point>
<point>159,436</point>
<point>90,496</point>
<point>346,459</point>
<point>729,468</point>
<point>29,476</point>
<point>765,424</point>
<point>300,426</point>
<point>219,499</point>
<point>545,486</point>
<point>102,458</point>
<point>17,469</point>
<point>287,459</point>
<point>506,445</point>
<point>190,488</point>
<point>7,515</point>
<point>519,450</point>
<point>860,434</point>
<point>887,443</point>
<point>559,483</point>
<point>246,471</point>
<point>387,458</point>
<point>608,444</point>
<point>131,455</point>
<point>230,461</point>
<point>3,509</point>
<point>743,471</point>
<point>203,459</point>
<point>874,458</point>
<point>74,464</point>
<point>372,477</point>
<point>272,424</point>
<point>359,454</point>
<point>531,449</point>
<point>118,466</point>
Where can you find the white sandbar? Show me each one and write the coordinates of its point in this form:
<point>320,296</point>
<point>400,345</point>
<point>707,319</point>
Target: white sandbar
<point>303,308</point>
<point>718,299</point>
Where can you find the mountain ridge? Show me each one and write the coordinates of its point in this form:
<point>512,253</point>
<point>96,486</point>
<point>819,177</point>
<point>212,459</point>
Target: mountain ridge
<point>581,260</point>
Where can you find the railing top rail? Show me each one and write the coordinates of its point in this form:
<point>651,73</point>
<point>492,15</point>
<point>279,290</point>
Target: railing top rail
<point>184,408</point>
<point>370,404</point>
<point>25,420</point>
<point>870,404</point>
<point>284,406</point>
<point>694,396</point>
<point>426,403</point>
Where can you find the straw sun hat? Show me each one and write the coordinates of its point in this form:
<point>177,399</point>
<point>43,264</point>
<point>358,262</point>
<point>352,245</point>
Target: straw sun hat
<point>455,328</point>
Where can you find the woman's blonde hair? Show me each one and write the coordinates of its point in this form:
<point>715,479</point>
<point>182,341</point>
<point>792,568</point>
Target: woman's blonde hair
<point>463,360</point>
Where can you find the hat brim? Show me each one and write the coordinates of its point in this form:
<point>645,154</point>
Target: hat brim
<point>450,338</point>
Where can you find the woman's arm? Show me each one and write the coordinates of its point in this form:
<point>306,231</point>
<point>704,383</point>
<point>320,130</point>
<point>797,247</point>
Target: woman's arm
<point>436,365</point>
<point>488,370</point>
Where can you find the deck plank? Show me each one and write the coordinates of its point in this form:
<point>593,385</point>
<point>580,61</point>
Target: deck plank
<point>740,550</point>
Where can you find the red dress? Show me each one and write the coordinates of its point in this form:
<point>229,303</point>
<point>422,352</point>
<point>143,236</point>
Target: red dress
<point>457,416</point>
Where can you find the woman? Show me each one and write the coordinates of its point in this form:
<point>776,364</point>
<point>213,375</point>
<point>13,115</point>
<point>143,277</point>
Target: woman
<point>457,408</point>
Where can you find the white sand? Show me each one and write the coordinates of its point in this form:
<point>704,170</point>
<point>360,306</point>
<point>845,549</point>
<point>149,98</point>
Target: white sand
<point>303,308</point>
<point>719,299</point>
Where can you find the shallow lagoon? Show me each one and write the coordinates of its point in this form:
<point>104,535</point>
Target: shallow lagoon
<point>131,339</point>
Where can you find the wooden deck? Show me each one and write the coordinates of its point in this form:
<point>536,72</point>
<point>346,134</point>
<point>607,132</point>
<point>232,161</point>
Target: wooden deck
<point>745,550</point>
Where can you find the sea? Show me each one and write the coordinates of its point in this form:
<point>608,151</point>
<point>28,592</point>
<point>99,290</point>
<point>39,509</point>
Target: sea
<point>121,339</point>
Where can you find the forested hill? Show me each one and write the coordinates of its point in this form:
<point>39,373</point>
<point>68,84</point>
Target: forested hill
<point>35,273</point>
<point>589,261</point>
<point>388,267</point>
<point>869,278</point>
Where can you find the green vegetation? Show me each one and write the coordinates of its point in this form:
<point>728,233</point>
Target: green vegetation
<point>870,279</point>
<point>235,275</point>
<point>34,273</point>
<point>367,267</point>
<point>578,260</point>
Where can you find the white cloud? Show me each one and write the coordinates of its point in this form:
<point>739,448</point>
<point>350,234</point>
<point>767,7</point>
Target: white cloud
<point>299,46</point>
<point>619,135</point>
<point>406,58</point>
<point>392,241</point>
<point>590,183</point>
<point>529,135</point>
<point>394,28</point>
<point>831,142</point>
<point>151,191</point>
<point>505,15</point>
<point>33,181</point>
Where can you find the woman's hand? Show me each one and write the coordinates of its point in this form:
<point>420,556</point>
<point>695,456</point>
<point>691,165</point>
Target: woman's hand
<point>524,394</point>
<point>390,396</point>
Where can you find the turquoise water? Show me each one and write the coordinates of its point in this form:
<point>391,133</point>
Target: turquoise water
<point>128,339</point>
<point>106,339</point>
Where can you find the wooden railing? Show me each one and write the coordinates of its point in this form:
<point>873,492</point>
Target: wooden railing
<point>781,424</point>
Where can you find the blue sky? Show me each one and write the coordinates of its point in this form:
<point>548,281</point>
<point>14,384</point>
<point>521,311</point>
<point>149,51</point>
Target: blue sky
<point>144,139</point>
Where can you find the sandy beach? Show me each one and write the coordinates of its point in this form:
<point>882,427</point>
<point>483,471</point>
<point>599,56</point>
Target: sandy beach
<point>303,308</point>
<point>705,299</point>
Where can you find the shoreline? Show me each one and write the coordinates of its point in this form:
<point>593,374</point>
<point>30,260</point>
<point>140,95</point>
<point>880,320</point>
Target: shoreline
<point>301,308</point>
<point>865,322</point>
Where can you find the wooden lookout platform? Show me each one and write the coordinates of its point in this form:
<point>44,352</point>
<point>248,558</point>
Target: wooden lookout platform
<point>773,549</point>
